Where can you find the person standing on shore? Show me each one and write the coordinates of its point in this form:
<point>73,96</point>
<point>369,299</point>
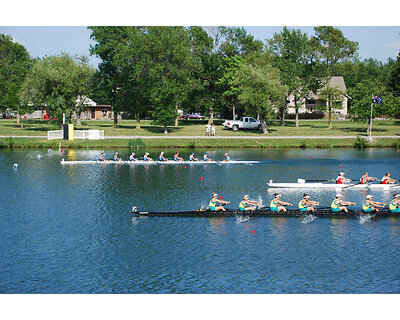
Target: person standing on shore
<point>208,128</point>
<point>213,130</point>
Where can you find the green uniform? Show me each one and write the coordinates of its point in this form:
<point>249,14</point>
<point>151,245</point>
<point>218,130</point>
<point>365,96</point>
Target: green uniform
<point>302,206</point>
<point>335,206</point>
<point>212,204</point>
<point>394,207</point>
<point>273,206</point>
<point>366,207</point>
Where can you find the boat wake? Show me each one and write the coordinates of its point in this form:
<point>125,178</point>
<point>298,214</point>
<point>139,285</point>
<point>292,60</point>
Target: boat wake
<point>135,221</point>
<point>241,219</point>
<point>365,218</point>
<point>308,218</point>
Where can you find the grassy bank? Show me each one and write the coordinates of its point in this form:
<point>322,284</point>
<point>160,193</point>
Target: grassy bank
<point>197,128</point>
<point>198,143</point>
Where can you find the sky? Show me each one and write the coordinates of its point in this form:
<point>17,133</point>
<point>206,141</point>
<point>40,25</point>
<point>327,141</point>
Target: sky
<point>377,42</point>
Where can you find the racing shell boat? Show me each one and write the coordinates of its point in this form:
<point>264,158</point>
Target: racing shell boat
<point>262,212</point>
<point>65,162</point>
<point>302,184</point>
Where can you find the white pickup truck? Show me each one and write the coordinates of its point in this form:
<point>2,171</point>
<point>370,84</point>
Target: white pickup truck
<point>243,123</point>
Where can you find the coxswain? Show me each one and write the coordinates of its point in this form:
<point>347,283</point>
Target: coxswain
<point>394,205</point>
<point>103,157</point>
<point>227,157</point>
<point>371,206</point>
<point>146,157</point>
<point>306,204</point>
<point>213,203</point>
<point>161,157</point>
<point>177,157</point>
<point>132,157</point>
<point>192,158</point>
<point>365,178</point>
<point>387,179</point>
<point>248,205</point>
<point>206,158</point>
<point>116,157</point>
<point>277,205</point>
<point>341,179</point>
<point>339,205</point>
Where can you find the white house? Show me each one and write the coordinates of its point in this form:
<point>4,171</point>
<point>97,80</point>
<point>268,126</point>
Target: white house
<point>313,102</point>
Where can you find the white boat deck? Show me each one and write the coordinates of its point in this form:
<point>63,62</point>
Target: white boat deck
<point>333,186</point>
<point>140,162</point>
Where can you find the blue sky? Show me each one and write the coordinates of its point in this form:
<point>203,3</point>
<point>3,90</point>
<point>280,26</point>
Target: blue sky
<point>376,42</point>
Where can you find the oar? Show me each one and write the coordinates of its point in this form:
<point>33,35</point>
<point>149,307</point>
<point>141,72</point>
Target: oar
<point>353,185</point>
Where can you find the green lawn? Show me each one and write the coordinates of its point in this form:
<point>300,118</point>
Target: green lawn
<point>197,128</point>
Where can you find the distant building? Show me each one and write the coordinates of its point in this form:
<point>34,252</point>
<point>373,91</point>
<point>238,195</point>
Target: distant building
<point>314,103</point>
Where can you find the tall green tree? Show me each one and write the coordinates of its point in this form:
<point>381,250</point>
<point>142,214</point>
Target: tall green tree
<point>108,41</point>
<point>394,78</point>
<point>168,49</point>
<point>293,53</point>
<point>361,94</point>
<point>15,64</point>
<point>54,83</point>
<point>261,88</point>
<point>333,47</point>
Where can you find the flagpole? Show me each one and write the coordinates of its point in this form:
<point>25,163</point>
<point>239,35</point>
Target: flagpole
<point>370,122</point>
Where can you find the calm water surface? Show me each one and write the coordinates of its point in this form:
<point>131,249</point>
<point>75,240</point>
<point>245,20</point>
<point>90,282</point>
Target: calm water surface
<point>67,229</point>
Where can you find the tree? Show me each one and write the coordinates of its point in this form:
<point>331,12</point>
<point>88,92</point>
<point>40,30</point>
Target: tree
<point>394,77</point>
<point>15,64</point>
<point>170,61</point>
<point>360,107</point>
<point>83,75</point>
<point>54,83</point>
<point>333,47</point>
<point>293,53</point>
<point>108,41</point>
<point>261,88</point>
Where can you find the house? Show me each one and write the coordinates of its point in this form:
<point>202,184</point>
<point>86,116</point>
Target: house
<point>315,103</point>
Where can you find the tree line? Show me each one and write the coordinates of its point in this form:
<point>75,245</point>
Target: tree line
<point>156,71</point>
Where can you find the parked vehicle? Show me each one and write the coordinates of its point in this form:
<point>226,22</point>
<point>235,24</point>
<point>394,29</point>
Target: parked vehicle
<point>192,116</point>
<point>243,123</point>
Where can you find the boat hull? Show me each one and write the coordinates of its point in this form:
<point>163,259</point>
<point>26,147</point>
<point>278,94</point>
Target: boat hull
<point>326,213</point>
<point>139,162</point>
<point>333,186</point>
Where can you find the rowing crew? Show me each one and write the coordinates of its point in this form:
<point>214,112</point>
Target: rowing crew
<point>366,179</point>
<point>161,157</point>
<point>306,205</point>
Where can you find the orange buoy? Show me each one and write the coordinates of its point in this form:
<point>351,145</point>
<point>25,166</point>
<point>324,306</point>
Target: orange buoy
<point>253,231</point>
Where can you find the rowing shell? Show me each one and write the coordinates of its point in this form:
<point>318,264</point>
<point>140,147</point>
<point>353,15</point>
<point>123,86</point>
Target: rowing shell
<point>157,162</point>
<point>327,213</point>
<point>319,185</point>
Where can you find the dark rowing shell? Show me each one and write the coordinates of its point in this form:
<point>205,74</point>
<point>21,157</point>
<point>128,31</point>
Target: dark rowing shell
<point>265,213</point>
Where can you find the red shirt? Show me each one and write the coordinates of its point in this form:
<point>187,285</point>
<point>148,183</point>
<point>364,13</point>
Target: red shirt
<point>340,180</point>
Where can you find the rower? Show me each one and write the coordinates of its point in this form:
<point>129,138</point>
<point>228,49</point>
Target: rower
<point>371,206</point>
<point>132,157</point>
<point>387,179</point>
<point>161,157</point>
<point>116,157</point>
<point>341,179</point>
<point>213,203</point>
<point>227,157</point>
<point>192,158</point>
<point>177,157</point>
<point>339,205</point>
<point>146,157</point>
<point>306,204</point>
<point>365,178</point>
<point>206,158</point>
<point>277,205</point>
<point>103,157</point>
<point>248,205</point>
<point>394,205</point>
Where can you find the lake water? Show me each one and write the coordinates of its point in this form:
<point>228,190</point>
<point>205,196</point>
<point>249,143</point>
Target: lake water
<point>68,229</point>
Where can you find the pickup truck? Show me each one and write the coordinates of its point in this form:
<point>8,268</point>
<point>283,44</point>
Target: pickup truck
<point>243,123</point>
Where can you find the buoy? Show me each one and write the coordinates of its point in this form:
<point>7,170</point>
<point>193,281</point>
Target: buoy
<point>310,157</point>
<point>253,231</point>
<point>201,178</point>
<point>15,166</point>
<point>185,166</point>
<point>287,150</point>
<point>49,151</point>
<point>220,197</point>
<point>38,156</point>
<point>341,166</point>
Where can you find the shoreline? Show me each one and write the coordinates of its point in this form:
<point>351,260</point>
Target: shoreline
<point>324,142</point>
